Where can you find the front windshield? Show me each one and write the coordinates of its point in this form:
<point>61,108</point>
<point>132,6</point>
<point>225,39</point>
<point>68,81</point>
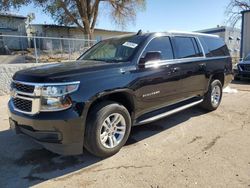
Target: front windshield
<point>247,58</point>
<point>113,50</point>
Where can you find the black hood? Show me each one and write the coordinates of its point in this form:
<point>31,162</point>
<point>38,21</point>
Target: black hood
<point>62,71</point>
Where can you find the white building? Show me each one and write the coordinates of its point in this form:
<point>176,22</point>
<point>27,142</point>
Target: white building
<point>62,35</point>
<point>11,24</point>
<point>50,30</point>
<point>245,43</point>
<point>231,36</point>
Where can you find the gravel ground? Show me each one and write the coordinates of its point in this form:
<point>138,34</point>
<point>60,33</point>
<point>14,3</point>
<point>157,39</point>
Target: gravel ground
<point>190,149</point>
<point>8,70</point>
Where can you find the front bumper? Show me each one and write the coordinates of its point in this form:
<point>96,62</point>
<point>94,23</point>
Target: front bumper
<point>60,132</point>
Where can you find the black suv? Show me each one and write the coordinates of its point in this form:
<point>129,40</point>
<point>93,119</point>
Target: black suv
<point>242,69</point>
<point>118,83</point>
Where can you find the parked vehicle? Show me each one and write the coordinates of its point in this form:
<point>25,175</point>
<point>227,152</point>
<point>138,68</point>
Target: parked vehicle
<point>118,83</point>
<point>242,69</point>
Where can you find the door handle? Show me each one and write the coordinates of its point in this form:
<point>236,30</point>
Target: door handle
<point>202,66</point>
<point>175,69</point>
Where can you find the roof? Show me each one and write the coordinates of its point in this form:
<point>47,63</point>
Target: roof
<point>62,26</point>
<point>6,29</point>
<point>2,14</point>
<point>245,11</point>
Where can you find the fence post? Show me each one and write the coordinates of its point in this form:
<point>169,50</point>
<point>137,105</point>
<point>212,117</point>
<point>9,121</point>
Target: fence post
<point>34,39</point>
<point>21,39</point>
<point>61,48</point>
<point>69,50</point>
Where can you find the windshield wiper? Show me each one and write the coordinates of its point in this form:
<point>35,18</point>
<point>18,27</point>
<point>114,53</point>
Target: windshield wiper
<point>94,59</point>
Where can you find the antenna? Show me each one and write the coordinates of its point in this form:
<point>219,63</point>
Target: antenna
<point>139,32</point>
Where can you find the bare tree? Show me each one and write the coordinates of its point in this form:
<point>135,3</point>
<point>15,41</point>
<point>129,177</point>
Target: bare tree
<point>234,10</point>
<point>82,13</point>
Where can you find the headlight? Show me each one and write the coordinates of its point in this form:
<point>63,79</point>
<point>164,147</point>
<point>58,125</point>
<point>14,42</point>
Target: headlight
<point>59,90</point>
<point>55,97</point>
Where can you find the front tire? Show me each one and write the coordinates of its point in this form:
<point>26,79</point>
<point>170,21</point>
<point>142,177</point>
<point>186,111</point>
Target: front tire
<point>212,98</point>
<point>108,129</point>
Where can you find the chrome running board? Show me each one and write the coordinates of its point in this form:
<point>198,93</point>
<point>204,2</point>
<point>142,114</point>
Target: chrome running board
<point>168,113</point>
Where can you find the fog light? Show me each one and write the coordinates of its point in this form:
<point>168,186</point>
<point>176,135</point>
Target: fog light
<point>55,103</point>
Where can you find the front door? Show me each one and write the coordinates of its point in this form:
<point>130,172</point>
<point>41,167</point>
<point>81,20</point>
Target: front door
<point>158,83</point>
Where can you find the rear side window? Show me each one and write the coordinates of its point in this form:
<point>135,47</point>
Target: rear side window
<point>187,47</point>
<point>160,44</point>
<point>216,46</point>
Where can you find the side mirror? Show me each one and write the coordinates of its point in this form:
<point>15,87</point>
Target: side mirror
<point>150,56</point>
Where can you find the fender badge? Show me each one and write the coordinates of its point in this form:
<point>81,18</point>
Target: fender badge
<point>151,94</point>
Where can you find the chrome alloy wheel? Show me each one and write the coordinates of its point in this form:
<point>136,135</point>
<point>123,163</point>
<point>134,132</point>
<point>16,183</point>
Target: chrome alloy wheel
<point>113,130</point>
<point>216,95</point>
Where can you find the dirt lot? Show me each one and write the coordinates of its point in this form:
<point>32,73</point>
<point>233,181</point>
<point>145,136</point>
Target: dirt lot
<point>189,149</point>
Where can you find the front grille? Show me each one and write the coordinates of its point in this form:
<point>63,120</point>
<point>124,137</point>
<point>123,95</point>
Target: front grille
<point>22,104</point>
<point>23,88</point>
<point>245,67</point>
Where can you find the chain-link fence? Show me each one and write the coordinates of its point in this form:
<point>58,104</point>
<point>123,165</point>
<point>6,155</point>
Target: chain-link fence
<point>25,49</point>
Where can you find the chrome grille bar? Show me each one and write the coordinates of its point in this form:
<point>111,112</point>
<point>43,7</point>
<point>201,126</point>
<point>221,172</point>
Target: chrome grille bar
<point>22,94</point>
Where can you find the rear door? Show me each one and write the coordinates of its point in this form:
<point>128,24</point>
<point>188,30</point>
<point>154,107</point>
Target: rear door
<point>192,64</point>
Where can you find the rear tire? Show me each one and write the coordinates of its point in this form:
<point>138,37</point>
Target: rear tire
<point>107,130</point>
<point>212,98</point>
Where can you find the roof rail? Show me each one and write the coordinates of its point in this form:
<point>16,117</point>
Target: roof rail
<point>139,32</point>
<point>193,33</point>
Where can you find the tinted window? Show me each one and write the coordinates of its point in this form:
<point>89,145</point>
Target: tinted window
<point>187,47</point>
<point>161,44</point>
<point>247,58</point>
<point>198,49</point>
<point>216,46</point>
<point>204,47</point>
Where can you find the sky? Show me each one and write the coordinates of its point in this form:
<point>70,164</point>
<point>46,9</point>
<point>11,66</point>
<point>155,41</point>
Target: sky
<point>159,15</point>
